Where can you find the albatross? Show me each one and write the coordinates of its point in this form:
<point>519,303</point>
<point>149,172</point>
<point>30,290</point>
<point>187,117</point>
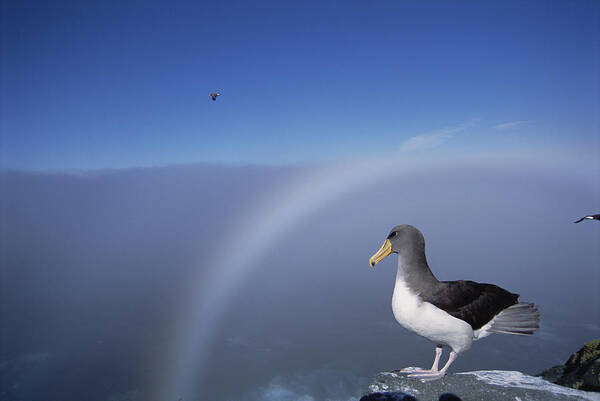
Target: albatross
<point>590,217</point>
<point>449,313</point>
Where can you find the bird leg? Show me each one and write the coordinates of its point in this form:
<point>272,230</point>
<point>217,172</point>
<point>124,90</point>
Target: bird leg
<point>428,376</point>
<point>434,367</point>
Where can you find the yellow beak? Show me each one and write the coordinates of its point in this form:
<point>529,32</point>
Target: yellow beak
<point>385,250</point>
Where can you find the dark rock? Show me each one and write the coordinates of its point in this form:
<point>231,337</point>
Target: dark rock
<point>389,396</point>
<point>449,397</point>
<point>400,396</point>
<point>581,371</point>
<point>552,374</point>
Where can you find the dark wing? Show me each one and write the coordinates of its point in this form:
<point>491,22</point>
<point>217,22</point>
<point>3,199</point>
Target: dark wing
<point>475,303</point>
<point>591,217</point>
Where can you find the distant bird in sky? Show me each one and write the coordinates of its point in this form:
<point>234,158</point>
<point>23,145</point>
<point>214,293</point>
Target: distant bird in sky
<point>214,96</point>
<point>590,217</point>
<point>452,313</point>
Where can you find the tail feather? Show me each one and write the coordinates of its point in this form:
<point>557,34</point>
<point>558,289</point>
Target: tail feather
<point>519,308</point>
<point>527,323</point>
<point>514,332</point>
<point>520,305</point>
<point>520,319</point>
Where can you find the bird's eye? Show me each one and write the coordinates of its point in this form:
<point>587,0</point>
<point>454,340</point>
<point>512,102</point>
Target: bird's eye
<point>392,235</point>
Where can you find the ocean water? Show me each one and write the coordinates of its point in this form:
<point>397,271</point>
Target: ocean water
<point>98,271</point>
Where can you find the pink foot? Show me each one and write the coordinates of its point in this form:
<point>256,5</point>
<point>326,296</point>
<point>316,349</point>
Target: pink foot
<point>434,367</point>
<point>433,373</point>
<point>428,376</point>
<point>415,370</point>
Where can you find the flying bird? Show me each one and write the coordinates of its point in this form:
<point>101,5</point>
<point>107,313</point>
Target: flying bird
<point>451,313</point>
<point>590,217</point>
<point>214,96</point>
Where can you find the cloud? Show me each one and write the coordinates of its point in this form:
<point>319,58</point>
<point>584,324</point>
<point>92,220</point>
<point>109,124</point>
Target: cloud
<point>435,138</point>
<point>202,205</point>
<point>509,125</point>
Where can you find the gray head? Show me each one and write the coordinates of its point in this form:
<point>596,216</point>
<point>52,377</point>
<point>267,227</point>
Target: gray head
<point>403,239</point>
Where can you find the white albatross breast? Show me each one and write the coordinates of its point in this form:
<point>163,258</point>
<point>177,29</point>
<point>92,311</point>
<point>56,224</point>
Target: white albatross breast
<point>428,320</point>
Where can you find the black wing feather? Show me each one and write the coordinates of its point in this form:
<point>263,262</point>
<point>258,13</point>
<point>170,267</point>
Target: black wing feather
<point>591,216</point>
<point>475,303</point>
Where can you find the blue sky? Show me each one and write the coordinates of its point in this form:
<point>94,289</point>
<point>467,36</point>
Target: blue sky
<point>122,84</point>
